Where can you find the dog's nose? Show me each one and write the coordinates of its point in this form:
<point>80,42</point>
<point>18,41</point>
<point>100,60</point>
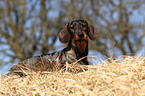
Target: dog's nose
<point>80,35</point>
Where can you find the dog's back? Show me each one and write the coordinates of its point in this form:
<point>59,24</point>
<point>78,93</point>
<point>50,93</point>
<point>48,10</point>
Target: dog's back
<point>49,62</point>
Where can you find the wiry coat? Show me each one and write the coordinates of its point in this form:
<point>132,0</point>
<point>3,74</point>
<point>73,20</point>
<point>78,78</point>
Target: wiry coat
<point>76,34</point>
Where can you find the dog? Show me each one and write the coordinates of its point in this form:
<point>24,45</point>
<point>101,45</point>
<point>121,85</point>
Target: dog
<point>75,34</point>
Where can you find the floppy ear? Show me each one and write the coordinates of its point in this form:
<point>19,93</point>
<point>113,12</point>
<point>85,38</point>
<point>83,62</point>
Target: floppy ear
<point>92,33</point>
<point>64,35</point>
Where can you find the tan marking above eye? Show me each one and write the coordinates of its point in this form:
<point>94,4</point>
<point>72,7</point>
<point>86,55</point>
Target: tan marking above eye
<point>84,25</point>
<point>72,25</point>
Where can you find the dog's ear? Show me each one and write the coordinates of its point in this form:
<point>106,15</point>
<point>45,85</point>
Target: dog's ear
<point>92,32</point>
<point>64,35</point>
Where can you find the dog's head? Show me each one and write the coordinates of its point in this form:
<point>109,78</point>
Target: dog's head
<point>77,30</point>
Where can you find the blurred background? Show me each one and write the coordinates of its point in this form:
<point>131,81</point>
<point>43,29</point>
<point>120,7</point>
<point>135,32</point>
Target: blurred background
<point>29,27</point>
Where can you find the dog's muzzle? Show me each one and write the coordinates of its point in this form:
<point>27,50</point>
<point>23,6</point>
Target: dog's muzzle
<point>80,35</point>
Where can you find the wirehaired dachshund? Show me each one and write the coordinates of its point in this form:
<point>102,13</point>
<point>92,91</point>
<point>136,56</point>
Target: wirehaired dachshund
<point>75,34</point>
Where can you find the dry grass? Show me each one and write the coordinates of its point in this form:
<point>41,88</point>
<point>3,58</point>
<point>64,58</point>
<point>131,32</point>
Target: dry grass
<point>120,77</point>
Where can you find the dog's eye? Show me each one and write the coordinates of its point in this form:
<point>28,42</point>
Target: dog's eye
<point>83,25</point>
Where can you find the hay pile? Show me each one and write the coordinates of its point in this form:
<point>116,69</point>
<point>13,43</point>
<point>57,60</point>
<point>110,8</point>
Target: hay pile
<point>120,77</point>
